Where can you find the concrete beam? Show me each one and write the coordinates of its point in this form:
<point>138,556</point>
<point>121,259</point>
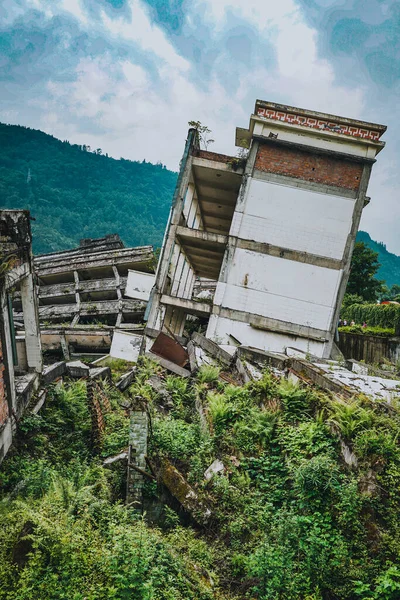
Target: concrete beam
<point>103,307</point>
<point>287,253</point>
<point>203,238</point>
<point>268,324</point>
<point>189,306</point>
<point>167,364</point>
<point>212,348</point>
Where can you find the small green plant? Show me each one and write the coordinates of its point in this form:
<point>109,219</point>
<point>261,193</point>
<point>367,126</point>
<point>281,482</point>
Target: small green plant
<point>208,374</point>
<point>203,133</point>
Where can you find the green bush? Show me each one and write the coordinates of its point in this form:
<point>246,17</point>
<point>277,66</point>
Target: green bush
<point>386,316</point>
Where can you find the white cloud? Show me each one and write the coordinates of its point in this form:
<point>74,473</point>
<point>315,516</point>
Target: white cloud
<point>74,7</point>
<point>143,117</point>
<point>143,32</point>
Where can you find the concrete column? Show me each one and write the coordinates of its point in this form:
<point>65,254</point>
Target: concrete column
<point>31,322</point>
<point>8,373</point>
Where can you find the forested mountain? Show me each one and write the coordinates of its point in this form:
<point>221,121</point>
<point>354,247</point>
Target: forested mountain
<point>389,270</point>
<point>74,192</point>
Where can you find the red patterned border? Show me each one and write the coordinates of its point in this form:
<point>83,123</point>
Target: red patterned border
<point>317,124</point>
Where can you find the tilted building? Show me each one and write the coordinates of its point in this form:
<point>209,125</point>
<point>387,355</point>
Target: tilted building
<point>275,230</point>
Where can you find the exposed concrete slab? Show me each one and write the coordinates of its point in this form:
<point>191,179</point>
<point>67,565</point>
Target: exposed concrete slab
<point>126,380</point>
<point>212,348</point>
<point>100,373</point>
<point>170,366</point>
<point>77,369</point>
<point>190,306</point>
<point>316,374</point>
<point>52,372</point>
<point>270,359</point>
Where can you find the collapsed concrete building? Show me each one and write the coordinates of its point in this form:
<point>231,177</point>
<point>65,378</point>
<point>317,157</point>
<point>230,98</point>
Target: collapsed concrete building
<point>275,230</point>
<point>82,294</point>
<point>20,355</point>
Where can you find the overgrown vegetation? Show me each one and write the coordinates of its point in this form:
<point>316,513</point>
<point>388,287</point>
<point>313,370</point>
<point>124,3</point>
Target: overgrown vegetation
<point>386,316</point>
<point>379,331</point>
<point>289,518</point>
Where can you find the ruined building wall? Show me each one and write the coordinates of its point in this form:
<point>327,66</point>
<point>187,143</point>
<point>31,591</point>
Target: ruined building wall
<point>3,393</point>
<point>291,238</point>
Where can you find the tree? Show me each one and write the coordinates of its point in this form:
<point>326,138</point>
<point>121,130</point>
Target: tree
<point>394,292</point>
<point>364,266</point>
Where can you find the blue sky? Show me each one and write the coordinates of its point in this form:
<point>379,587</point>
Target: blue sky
<point>127,75</point>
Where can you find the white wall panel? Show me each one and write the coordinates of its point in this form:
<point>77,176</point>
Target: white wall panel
<point>295,218</point>
<point>139,285</point>
<point>284,278</point>
<point>280,289</point>
<point>125,345</point>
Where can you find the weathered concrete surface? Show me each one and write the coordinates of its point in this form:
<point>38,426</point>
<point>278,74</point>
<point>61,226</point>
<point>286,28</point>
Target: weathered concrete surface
<point>279,361</point>
<point>126,380</point>
<point>183,492</point>
<point>212,348</point>
<point>170,366</point>
<point>54,371</point>
<point>136,457</point>
<point>77,369</point>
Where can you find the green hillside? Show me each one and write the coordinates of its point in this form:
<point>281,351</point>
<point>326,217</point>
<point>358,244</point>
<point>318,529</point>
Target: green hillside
<point>389,270</point>
<point>73,192</point>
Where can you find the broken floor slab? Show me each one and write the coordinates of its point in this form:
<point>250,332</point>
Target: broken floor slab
<point>77,369</point>
<point>376,387</point>
<point>212,349</point>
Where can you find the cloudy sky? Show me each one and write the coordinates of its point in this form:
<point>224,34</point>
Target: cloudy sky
<point>127,75</point>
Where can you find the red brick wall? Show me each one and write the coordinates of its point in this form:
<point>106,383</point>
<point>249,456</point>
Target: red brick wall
<point>3,397</point>
<point>308,166</point>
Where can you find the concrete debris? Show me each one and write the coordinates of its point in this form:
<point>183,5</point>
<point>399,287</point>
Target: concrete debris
<point>183,492</point>
<point>54,371</point>
<point>126,346</point>
<point>214,469</point>
<point>170,366</point>
<point>103,373</point>
<point>203,358</point>
<point>357,367</point>
<point>192,357</point>
<point>348,455</point>
<point>212,349</point>
<point>126,380</point>
<point>137,457</point>
<point>77,369</point>
<point>376,387</point>
<point>40,401</point>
